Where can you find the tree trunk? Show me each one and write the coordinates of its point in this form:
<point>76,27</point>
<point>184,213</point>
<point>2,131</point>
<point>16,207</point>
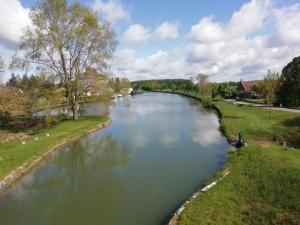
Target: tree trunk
<point>74,108</point>
<point>74,114</point>
<point>270,108</point>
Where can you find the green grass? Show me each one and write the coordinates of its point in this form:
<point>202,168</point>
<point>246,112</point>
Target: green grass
<point>263,186</point>
<point>255,123</point>
<point>14,154</point>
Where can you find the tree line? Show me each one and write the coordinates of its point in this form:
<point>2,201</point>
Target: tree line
<point>164,84</point>
<point>275,88</point>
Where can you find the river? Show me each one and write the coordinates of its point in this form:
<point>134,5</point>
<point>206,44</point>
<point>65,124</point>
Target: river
<point>159,149</point>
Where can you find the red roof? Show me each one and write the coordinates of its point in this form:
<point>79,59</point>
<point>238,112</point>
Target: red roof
<point>248,85</point>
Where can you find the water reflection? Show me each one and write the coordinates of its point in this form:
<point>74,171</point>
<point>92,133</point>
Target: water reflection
<point>88,109</point>
<point>94,108</point>
<point>211,134</point>
<point>159,149</point>
<point>80,180</point>
<point>169,139</point>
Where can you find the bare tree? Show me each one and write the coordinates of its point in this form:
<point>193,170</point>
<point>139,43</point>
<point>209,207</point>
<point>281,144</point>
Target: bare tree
<point>269,87</point>
<point>65,39</point>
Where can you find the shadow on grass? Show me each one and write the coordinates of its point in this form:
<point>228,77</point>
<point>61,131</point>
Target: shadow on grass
<point>295,122</point>
<point>293,135</point>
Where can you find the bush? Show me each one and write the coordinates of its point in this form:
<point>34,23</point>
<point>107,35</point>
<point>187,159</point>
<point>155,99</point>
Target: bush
<point>5,118</point>
<point>224,90</point>
<point>207,101</point>
<point>22,122</point>
<point>218,98</point>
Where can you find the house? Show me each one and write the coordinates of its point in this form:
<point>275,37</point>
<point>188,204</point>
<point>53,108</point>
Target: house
<point>93,82</point>
<point>248,88</point>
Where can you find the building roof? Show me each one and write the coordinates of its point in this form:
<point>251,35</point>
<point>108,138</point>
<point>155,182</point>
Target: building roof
<point>92,74</point>
<point>248,85</point>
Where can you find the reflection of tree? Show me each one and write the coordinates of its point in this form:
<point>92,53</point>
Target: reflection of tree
<point>95,109</point>
<point>79,187</point>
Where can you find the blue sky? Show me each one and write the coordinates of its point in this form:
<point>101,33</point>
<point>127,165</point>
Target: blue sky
<point>152,13</point>
<point>228,40</point>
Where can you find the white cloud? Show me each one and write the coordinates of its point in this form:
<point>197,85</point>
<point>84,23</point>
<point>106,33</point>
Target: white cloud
<point>138,33</point>
<point>258,37</point>
<point>112,10</point>
<point>207,31</point>
<point>288,24</point>
<point>166,30</point>
<point>248,19</point>
<point>13,17</point>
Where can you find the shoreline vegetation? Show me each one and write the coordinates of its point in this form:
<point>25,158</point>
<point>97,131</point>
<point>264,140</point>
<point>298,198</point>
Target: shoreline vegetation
<point>262,187</point>
<point>17,157</point>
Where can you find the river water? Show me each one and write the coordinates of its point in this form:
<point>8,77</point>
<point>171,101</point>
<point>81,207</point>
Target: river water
<point>159,149</point>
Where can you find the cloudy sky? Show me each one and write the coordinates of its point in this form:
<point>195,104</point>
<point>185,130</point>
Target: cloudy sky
<point>228,40</point>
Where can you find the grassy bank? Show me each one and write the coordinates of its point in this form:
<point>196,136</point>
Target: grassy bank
<point>263,186</point>
<point>14,154</point>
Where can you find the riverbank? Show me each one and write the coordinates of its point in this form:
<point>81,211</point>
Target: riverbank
<point>17,157</point>
<point>262,185</point>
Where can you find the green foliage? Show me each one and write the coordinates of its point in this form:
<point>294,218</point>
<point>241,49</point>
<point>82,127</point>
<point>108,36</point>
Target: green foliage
<point>5,118</point>
<point>224,90</point>
<point>269,86</point>
<point>119,85</point>
<point>19,123</point>
<point>27,95</point>
<point>204,87</point>
<point>164,84</point>
<point>289,90</point>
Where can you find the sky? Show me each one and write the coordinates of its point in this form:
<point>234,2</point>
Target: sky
<point>228,40</point>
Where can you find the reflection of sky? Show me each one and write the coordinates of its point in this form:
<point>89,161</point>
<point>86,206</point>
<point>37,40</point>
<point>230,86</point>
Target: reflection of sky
<point>139,139</point>
<point>159,147</point>
<point>206,130</point>
<point>169,139</point>
<point>168,122</point>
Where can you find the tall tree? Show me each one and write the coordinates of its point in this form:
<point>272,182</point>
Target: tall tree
<point>65,39</point>
<point>120,84</point>
<point>203,84</point>
<point>14,81</point>
<point>289,90</point>
<point>270,87</point>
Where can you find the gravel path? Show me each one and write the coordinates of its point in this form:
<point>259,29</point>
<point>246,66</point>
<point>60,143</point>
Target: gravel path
<point>263,106</point>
